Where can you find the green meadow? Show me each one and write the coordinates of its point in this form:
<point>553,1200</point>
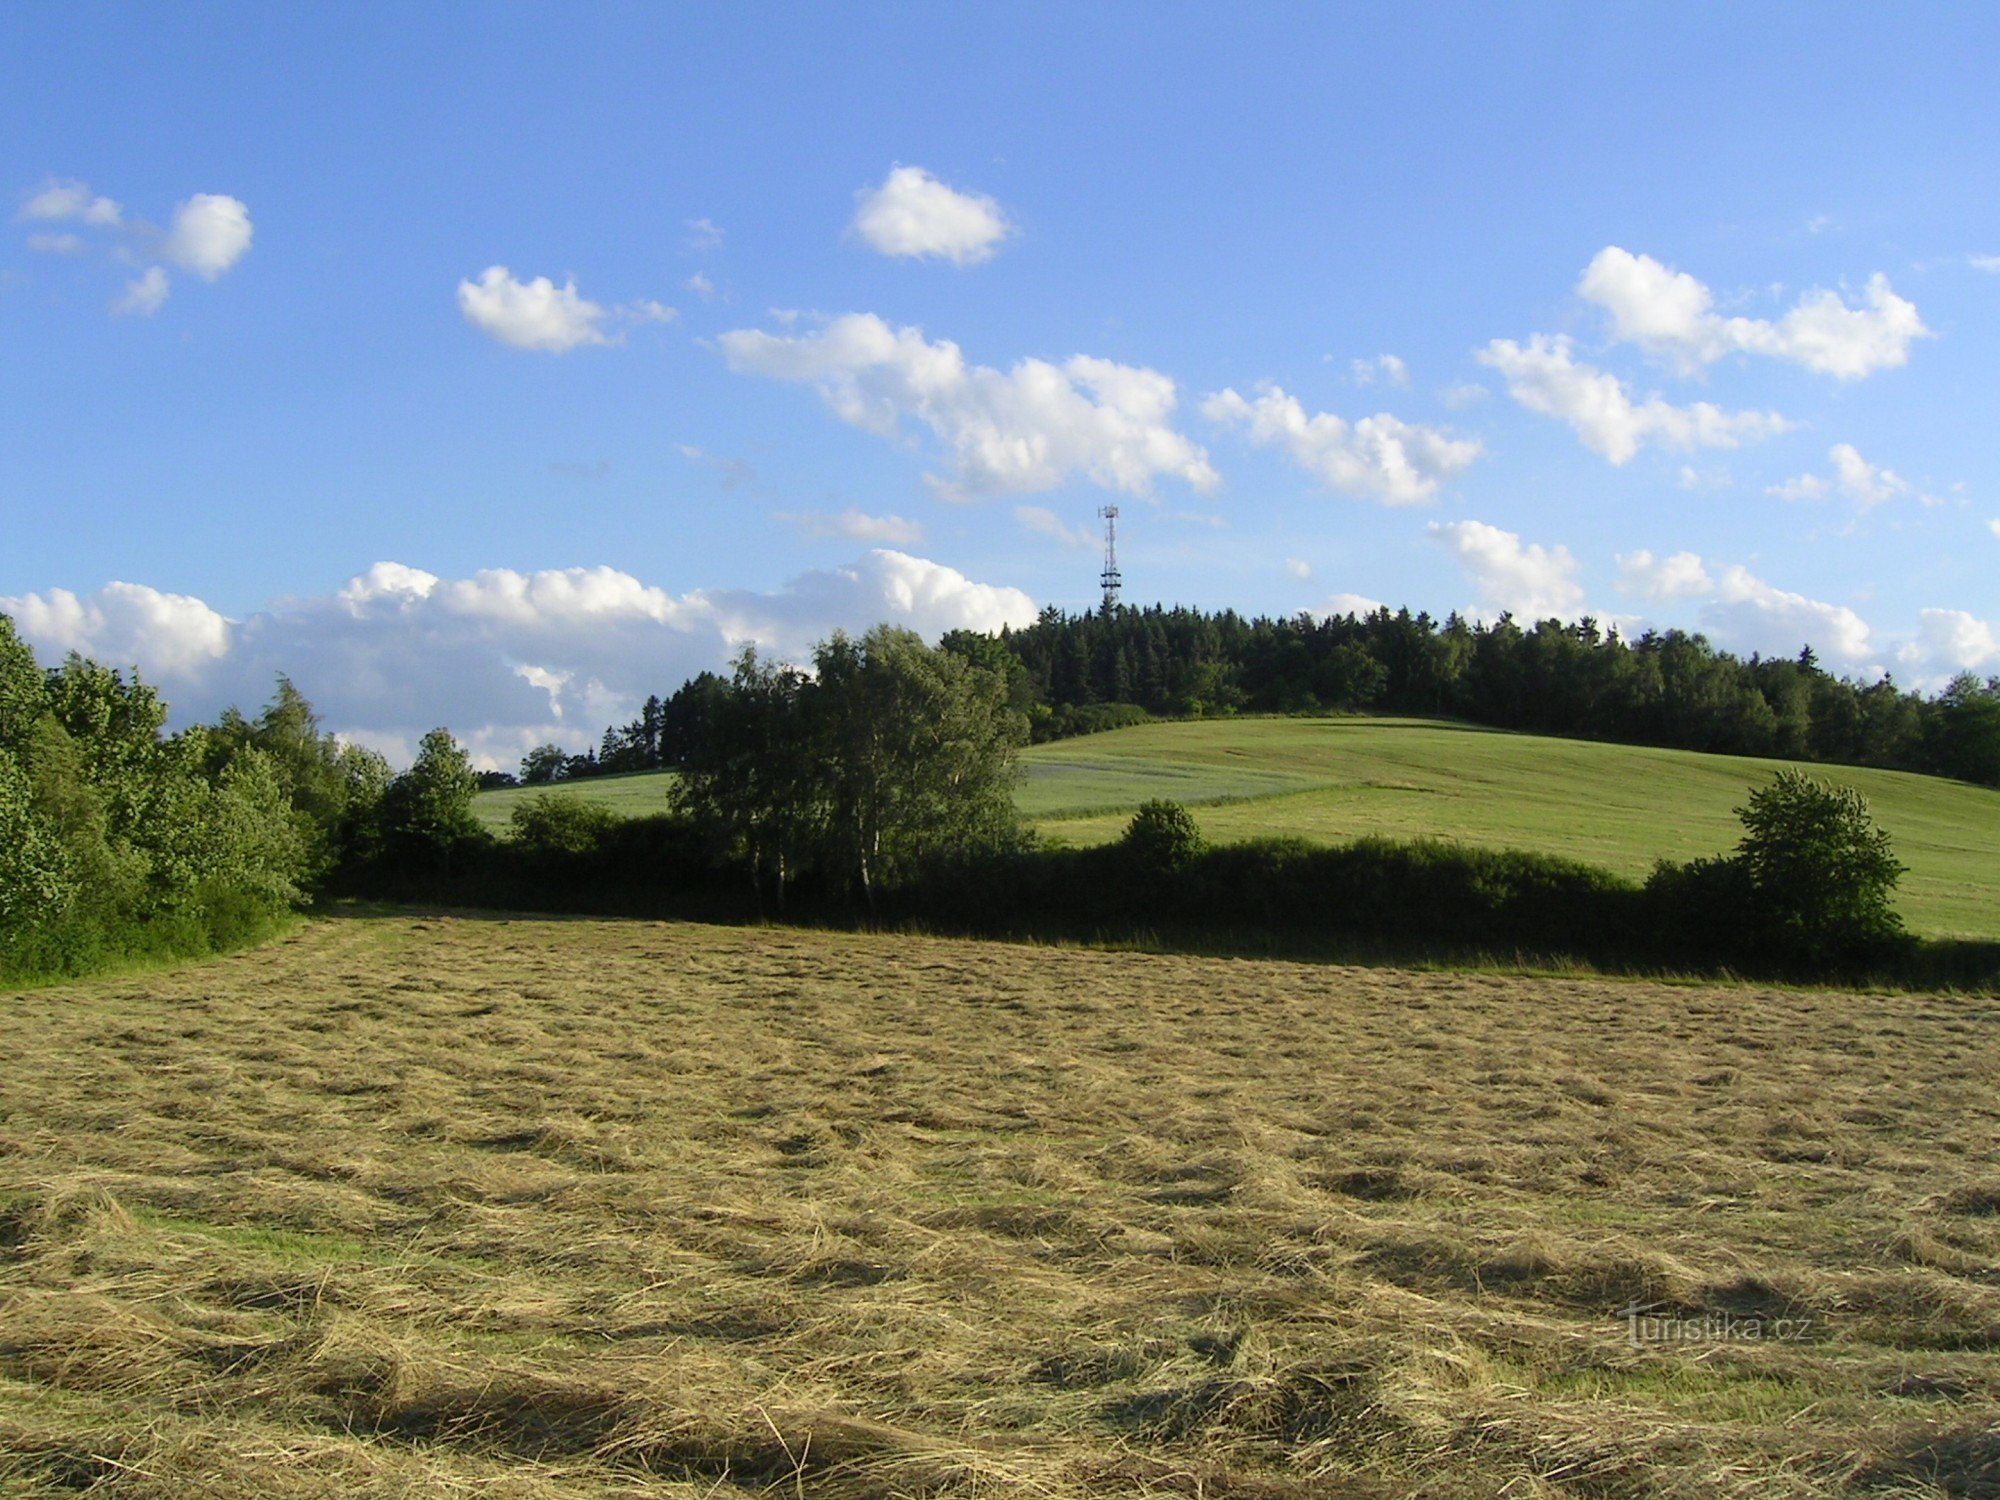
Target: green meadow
<point>1333,779</point>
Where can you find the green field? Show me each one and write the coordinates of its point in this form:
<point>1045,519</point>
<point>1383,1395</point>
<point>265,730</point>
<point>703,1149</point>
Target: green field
<point>628,796</point>
<point>1620,806</point>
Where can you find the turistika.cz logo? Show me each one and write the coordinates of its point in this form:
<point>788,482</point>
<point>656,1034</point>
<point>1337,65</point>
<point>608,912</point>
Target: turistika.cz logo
<point>1662,1323</point>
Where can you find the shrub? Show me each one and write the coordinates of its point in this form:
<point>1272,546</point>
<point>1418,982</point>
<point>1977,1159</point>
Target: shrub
<point>1162,838</point>
<point>1820,872</point>
<point>554,823</point>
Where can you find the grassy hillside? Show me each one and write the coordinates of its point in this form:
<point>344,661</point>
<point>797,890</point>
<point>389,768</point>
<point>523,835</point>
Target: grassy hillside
<point>540,1210</point>
<point>1619,806</point>
<point>628,796</point>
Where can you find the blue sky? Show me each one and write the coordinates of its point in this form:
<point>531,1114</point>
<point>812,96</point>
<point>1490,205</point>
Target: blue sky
<point>497,365</point>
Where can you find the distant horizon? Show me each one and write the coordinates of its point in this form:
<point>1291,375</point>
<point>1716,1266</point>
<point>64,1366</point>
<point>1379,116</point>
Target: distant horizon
<point>497,368</point>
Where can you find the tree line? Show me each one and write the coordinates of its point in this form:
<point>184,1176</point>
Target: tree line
<point>119,841</point>
<point>878,783</point>
<point>1077,673</point>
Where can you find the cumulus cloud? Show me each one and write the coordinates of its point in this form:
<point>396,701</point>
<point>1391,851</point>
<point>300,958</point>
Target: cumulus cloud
<point>144,295</point>
<point>56,200</point>
<point>1381,457</point>
<point>56,244</point>
<point>1745,613</point>
<point>1671,314</point>
<point>704,234</point>
<point>1546,377</point>
<point>1021,430</point>
<point>912,214</point>
<point>1045,522</point>
<point>535,314</point>
<point>210,233</point>
<point>1994,526</point>
<point>701,286</point>
<point>1748,614</point>
<point>1299,568</point>
<point>123,625</point>
<point>1866,484</point>
<point>1680,576</point>
<point>1527,580</point>
<point>857,526</point>
<point>1950,641</point>
<point>506,659</point>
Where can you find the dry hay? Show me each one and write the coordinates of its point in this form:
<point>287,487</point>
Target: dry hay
<point>545,1209</point>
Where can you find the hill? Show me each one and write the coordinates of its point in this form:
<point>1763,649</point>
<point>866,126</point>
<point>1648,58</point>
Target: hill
<point>542,1209</point>
<point>1328,779</point>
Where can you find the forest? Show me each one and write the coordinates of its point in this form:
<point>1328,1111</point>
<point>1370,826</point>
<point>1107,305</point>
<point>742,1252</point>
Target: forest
<point>1076,673</point>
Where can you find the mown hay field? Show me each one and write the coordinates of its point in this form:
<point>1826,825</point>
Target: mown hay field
<point>525,1208</point>
<point>1333,779</point>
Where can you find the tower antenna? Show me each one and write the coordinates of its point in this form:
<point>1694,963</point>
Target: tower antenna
<point>1109,577</point>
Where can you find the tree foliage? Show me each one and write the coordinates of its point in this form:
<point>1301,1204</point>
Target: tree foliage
<point>1820,873</point>
<point>890,753</point>
<point>117,838</point>
<point>427,811</point>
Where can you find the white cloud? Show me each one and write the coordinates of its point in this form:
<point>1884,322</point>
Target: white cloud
<point>123,625</point>
<point>1299,568</point>
<point>1748,614</point>
<point>1680,576</point>
<point>1021,430</point>
<point>1800,487</point>
<point>1545,377</point>
<point>143,295</point>
<point>1351,604</point>
<point>1861,481</point>
<point>1691,478</point>
<point>646,310</point>
<point>71,200</point>
<point>1671,314</point>
<point>1529,581</point>
<point>1994,526</point>
<point>1743,613</point>
<point>1950,641</point>
<point>1045,522</point>
<point>534,314</point>
<point>1381,456</point>
<point>703,234</point>
<point>857,526</point>
<point>701,286</point>
<point>56,244</point>
<point>1986,263</point>
<point>507,660</point>
<point>211,232</point>
<point>1866,484</point>
<point>913,214</point>
<point>1386,368</point>
<point>1465,393</point>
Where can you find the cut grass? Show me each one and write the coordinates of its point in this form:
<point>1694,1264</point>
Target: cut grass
<point>414,1206</point>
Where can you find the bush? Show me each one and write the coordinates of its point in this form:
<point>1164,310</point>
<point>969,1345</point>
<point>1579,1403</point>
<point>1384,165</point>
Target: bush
<point>555,823</point>
<point>1820,872</point>
<point>1162,839</point>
